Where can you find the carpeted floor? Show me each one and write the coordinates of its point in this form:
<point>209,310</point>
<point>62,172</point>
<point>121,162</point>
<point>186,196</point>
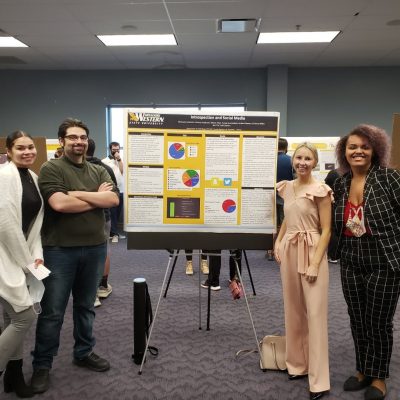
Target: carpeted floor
<point>197,364</point>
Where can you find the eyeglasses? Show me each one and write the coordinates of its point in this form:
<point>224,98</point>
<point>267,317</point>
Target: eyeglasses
<point>74,138</point>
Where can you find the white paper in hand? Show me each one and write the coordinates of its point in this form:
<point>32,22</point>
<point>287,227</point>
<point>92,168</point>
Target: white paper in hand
<point>40,272</point>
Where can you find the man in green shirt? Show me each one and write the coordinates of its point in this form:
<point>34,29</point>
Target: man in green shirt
<point>74,247</point>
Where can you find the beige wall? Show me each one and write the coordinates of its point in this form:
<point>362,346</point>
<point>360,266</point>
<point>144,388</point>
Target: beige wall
<point>395,160</point>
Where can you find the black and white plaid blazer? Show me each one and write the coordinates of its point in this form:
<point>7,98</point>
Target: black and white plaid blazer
<point>381,209</point>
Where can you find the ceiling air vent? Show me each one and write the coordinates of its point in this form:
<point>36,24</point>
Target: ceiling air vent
<point>238,25</point>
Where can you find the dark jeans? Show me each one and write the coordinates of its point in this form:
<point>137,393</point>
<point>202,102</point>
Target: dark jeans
<point>76,269</point>
<point>333,246</point>
<point>116,214</point>
<point>279,215</point>
<point>215,265</point>
<point>189,255</point>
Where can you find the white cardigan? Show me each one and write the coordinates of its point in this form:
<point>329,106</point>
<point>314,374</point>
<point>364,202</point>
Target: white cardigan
<point>16,252</point>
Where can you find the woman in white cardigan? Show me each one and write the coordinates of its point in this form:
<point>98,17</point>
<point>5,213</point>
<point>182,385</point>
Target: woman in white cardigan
<point>21,216</point>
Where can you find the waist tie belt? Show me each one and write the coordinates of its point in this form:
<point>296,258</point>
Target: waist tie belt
<point>304,241</point>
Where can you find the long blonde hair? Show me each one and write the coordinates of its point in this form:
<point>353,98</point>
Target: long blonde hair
<point>310,147</point>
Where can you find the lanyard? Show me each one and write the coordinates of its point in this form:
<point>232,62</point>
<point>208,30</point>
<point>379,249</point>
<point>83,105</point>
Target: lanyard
<point>355,223</point>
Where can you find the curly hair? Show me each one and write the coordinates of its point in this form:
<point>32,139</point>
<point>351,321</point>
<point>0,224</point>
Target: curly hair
<point>377,138</point>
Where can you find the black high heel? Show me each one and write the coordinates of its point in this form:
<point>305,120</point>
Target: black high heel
<point>14,380</point>
<point>317,395</point>
<point>293,377</point>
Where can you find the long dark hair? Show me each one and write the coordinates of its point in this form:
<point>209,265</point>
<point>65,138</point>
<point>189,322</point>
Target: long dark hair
<point>12,137</point>
<point>377,138</point>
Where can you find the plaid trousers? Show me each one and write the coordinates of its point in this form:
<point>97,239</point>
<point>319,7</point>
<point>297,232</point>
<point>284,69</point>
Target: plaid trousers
<point>371,289</point>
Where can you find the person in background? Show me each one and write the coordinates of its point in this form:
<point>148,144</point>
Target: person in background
<point>215,268</point>
<point>59,152</point>
<point>114,161</point>
<point>367,221</point>
<point>300,249</point>
<point>75,192</point>
<point>189,263</point>
<point>284,172</point>
<point>332,248</point>
<point>105,288</point>
<point>21,216</point>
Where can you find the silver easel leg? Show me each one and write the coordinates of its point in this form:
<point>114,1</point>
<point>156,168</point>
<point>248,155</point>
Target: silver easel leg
<point>247,304</point>
<point>171,255</point>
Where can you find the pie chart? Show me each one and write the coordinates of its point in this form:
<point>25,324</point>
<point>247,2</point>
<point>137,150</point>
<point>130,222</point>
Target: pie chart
<point>190,178</point>
<point>229,206</point>
<point>176,150</point>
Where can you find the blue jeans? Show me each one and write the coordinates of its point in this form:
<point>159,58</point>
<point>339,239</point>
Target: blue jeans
<point>76,269</point>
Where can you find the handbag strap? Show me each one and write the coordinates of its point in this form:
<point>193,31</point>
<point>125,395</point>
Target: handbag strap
<point>245,352</point>
<point>275,358</point>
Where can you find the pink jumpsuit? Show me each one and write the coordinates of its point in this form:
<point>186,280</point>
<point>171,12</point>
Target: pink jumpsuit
<point>306,304</point>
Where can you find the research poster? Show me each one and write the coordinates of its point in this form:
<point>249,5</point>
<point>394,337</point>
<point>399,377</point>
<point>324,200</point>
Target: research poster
<point>326,153</point>
<point>200,172</point>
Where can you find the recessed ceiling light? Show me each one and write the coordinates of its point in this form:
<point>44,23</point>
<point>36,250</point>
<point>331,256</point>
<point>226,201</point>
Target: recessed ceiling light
<point>9,41</point>
<point>297,37</point>
<point>138,40</point>
<point>238,25</point>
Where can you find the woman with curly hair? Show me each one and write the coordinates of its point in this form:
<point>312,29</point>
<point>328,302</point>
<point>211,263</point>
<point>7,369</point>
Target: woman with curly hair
<point>367,221</point>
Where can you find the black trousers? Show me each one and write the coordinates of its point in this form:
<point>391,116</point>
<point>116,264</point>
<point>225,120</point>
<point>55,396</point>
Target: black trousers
<point>215,265</point>
<point>189,255</point>
<point>371,289</point>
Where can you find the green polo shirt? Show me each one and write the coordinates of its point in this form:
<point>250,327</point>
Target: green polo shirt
<point>72,229</point>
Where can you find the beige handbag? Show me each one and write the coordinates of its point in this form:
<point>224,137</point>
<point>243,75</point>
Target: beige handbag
<point>273,353</point>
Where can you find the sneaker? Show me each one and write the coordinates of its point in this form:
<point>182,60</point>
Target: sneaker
<point>206,284</point>
<point>204,267</point>
<point>104,292</point>
<point>93,362</point>
<point>332,261</point>
<point>97,302</point>
<point>114,239</point>
<point>40,381</point>
<point>189,267</point>
<point>120,236</point>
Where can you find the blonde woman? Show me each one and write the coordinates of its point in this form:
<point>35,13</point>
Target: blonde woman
<point>300,249</point>
<point>21,215</point>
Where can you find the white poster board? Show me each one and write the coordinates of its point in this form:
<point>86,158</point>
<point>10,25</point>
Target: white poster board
<point>326,153</point>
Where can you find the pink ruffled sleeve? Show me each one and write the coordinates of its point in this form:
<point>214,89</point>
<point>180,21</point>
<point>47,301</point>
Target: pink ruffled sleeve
<point>320,190</point>
<point>281,188</point>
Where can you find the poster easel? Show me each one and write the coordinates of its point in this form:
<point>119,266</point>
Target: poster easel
<point>199,181</point>
<point>173,254</point>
